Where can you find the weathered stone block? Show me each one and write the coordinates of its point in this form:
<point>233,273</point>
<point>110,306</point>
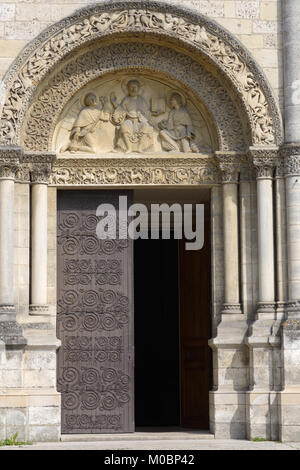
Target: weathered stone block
<point>39,378</point>
<point>44,433</point>
<point>289,433</point>
<point>260,26</point>
<point>40,360</point>
<point>230,431</point>
<point>7,11</point>
<point>44,415</point>
<point>230,413</point>
<point>11,378</point>
<point>16,416</point>
<point>247,9</point>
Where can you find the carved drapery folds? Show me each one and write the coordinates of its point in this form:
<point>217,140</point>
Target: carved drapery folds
<point>127,114</point>
<point>72,83</point>
<point>111,18</point>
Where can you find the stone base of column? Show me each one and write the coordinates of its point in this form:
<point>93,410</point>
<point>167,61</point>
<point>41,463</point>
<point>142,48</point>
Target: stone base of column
<point>33,414</point>
<point>29,401</point>
<point>266,310</point>
<point>231,378</point>
<point>262,415</point>
<point>35,309</point>
<point>231,309</point>
<point>228,414</point>
<point>293,309</point>
<point>280,310</point>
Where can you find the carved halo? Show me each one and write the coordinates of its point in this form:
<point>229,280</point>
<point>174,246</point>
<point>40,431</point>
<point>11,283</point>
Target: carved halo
<point>176,92</point>
<point>125,81</point>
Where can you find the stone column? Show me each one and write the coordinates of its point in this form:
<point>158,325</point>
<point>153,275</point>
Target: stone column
<point>231,375</point>
<point>264,340</point>
<point>281,241</point>
<point>10,331</point>
<point>247,233</point>
<point>39,216</point>
<point>265,166</point>
<point>290,397</point>
<point>231,237</point>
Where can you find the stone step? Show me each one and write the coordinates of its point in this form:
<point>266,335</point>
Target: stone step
<point>143,434</point>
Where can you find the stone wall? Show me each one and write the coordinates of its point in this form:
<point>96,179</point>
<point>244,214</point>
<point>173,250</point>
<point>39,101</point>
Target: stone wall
<point>256,23</point>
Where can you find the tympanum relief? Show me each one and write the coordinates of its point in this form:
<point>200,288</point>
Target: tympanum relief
<point>132,115</point>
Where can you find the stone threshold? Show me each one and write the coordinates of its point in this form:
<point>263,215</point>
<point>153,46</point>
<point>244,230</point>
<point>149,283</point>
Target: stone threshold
<point>143,434</point>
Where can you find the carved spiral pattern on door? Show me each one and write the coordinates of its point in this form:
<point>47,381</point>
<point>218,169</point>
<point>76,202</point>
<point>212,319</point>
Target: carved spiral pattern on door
<point>93,319</point>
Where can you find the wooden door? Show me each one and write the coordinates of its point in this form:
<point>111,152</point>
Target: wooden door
<point>195,327</point>
<point>94,318</point>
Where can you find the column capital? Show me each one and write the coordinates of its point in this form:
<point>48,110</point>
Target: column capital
<point>290,154</point>
<point>264,160</point>
<point>230,164</point>
<point>40,165</point>
<point>10,158</point>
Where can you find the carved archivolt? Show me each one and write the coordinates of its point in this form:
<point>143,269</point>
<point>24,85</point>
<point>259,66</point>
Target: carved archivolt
<point>174,68</point>
<point>118,18</point>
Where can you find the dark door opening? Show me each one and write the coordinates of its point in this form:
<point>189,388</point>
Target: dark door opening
<point>157,397</point>
<point>172,329</point>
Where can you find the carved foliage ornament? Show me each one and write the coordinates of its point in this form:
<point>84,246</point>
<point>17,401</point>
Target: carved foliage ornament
<point>120,17</point>
<point>134,171</point>
<point>63,86</point>
<point>265,161</point>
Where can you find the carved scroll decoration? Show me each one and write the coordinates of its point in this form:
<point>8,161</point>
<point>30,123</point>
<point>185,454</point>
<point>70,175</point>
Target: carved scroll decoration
<point>111,18</point>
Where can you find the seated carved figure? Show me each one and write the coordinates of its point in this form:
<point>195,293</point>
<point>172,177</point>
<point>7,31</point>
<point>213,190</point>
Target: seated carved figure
<point>177,133</point>
<point>133,115</point>
<point>83,131</point>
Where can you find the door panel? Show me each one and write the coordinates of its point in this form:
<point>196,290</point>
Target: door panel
<point>94,318</point>
<point>194,281</point>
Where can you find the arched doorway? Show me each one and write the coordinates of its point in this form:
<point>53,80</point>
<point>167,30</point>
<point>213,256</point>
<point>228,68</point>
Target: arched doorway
<point>225,98</point>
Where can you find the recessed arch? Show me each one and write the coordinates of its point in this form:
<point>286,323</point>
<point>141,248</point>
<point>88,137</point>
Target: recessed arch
<point>195,34</point>
<point>224,118</point>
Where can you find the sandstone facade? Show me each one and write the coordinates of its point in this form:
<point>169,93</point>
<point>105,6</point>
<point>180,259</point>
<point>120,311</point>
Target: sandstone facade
<point>226,61</point>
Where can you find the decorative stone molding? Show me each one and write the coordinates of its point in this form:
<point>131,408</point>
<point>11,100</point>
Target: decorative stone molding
<point>8,170</point>
<point>265,160</point>
<point>10,157</point>
<point>292,165</point>
<point>292,324</point>
<point>266,307</point>
<point>230,165</point>
<point>134,171</point>
<point>162,63</point>
<point>38,309</point>
<point>280,307</point>
<point>38,166</point>
<point>290,154</point>
<point>231,308</point>
<point>11,334</point>
<point>193,31</point>
<point>11,153</point>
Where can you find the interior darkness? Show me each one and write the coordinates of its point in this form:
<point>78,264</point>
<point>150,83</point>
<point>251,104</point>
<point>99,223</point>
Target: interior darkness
<point>157,401</point>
